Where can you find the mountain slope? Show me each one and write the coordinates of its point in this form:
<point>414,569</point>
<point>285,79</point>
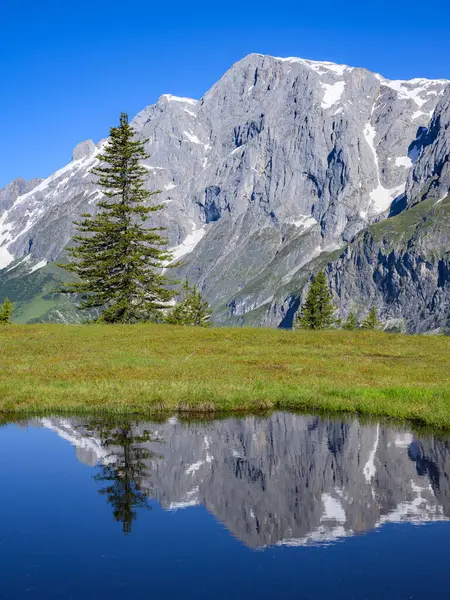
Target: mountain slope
<point>282,162</point>
<point>401,264</point>
<point>430,177</point>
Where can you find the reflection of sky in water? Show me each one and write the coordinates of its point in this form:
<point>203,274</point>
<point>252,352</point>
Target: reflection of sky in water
<point>299,488</point>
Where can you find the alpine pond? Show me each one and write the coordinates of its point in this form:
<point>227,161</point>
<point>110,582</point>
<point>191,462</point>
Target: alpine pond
<point>279,506</point>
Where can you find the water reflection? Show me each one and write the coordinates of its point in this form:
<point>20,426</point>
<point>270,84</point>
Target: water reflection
<point>285,479</point>
<point>123,471</point>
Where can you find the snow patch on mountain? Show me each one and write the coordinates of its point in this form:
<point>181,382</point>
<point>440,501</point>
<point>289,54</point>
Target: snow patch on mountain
<point>405,90</point>
<point>172,98</point>
<point>194,467</point>
<point>333,93</point>
<point>5,257</point>
<point>21,262</point>
<point>403,161</point>
<point>304,221</point>
<point>192,138</point>
<point>334,511</point>
<point>40,265</point>
<point>381,197</point>
<point>189,242</point>
<point>320,66</point>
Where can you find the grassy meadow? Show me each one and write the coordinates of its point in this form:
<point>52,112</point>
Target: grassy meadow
<point>155,368</point>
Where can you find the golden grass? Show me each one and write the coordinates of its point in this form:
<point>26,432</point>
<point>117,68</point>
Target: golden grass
<point>149,368</point>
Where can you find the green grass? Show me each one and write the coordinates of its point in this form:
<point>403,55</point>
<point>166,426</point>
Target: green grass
<point>401,228</point>
<point>154,368</point>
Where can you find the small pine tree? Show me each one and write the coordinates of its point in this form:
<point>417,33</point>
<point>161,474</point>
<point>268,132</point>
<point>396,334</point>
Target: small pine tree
<point>351,322</point>
<point>118,260</point>
<point>6,312</point>
<point>318,310</point>
<point>371,322</point>
<point>191,309</point>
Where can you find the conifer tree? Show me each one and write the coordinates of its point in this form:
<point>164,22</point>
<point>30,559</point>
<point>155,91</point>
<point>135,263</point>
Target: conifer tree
<point>192,309</point>
<point>318,309</point>
<point>351,322</point>
<point>6,312</point>
<point>371,322</point>
<point>117,258</point>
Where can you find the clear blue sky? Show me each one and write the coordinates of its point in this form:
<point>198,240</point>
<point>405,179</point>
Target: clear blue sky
<point>67,68</point>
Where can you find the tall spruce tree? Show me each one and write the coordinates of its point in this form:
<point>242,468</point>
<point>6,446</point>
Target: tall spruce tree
<point>371,322</point>
<point>117,258</point>
<point>191,309</point>
<point>318,310</point>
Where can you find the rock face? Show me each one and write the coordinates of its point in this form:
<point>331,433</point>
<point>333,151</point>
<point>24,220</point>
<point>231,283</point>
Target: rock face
<point>83,150</point>
<point>8,196</point>
<point>281,480</point>
<point>282,162</point>
<point>13,190</point>
<point>430,177</point>
<point>401,266</point>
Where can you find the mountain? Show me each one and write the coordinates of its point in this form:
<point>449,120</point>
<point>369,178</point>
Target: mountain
<point>285,479</point>
<point>402,264</point>
<point>430,176</point>
<point>280,168</point>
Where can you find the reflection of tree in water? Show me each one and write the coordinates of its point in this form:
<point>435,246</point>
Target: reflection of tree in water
<point>124,469</point>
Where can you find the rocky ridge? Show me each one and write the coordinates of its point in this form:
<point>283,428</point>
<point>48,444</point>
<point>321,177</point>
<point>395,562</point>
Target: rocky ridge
<point>279,165</point>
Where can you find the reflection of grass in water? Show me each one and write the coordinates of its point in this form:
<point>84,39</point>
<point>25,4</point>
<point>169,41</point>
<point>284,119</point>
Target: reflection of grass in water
<point>152,368</point>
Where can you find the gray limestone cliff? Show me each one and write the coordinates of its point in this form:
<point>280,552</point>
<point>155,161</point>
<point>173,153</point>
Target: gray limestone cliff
<point>281,163</point>
<point>430,176</point>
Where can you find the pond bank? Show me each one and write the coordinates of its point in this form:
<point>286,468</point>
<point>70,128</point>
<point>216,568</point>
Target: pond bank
<point>146,369</point>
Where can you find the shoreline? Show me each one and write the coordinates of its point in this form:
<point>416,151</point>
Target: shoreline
<point>147,370</point>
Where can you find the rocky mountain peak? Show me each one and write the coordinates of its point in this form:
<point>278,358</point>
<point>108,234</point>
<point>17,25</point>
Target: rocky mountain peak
<point>83,150</point>
<point>17,187</point>
<point>281,162</point>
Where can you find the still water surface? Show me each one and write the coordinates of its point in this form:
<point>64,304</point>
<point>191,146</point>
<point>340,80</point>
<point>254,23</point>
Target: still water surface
<point>279,507</point>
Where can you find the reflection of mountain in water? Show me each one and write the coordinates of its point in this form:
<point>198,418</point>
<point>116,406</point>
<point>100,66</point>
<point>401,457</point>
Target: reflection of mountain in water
<point>287,479</point>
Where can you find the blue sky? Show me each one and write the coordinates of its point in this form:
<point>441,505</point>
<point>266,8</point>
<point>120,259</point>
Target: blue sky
<point>68,68</point>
